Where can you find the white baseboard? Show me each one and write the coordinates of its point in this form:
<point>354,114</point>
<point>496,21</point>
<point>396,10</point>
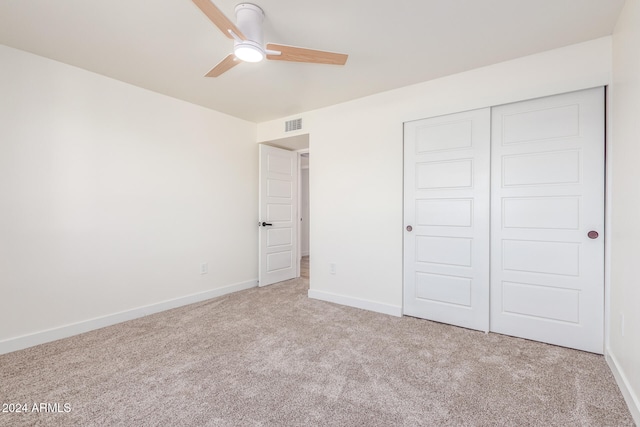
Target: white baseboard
<point>25,341</point>
<point>633,402</point>
<point>364,304</point>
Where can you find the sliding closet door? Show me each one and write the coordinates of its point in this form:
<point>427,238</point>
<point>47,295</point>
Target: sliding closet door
<point>446,213</point>
<point>547,226</point>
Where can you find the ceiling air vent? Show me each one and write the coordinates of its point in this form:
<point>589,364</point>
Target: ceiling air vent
<point>292,125</point>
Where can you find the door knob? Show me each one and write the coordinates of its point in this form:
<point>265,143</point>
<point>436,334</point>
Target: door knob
<point>409,228</point>
<point>264,224</point>
<point>592,234</point>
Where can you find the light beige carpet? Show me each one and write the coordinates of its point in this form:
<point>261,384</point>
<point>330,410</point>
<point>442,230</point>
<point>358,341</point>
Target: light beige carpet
<point>271,357</point>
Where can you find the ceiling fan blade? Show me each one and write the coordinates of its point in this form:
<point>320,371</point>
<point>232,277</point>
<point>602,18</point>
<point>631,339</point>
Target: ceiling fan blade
<point>300,54</point>
<point>217,17</point>
<point>225,65</point>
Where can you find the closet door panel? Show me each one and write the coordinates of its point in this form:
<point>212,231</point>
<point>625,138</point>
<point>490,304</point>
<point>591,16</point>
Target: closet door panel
<point>547,195</point>
<point>446,191</point>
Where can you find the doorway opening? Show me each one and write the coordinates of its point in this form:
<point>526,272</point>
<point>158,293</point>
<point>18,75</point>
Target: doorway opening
<point>304,215</point>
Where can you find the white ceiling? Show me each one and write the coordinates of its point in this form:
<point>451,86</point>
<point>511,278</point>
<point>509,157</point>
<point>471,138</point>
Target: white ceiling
<point>168,45</point>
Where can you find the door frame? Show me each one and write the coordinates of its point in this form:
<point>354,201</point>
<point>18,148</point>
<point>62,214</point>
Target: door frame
<point>299,225</point>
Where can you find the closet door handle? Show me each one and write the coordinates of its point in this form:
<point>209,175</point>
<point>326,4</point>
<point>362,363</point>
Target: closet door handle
<point>265,224</point>
<point>592,234</point>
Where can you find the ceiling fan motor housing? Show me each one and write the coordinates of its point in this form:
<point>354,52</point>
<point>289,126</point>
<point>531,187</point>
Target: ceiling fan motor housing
<point>249,18</point>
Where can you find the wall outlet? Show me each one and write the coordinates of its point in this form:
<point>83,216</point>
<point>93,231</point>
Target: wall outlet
<point>622,324</point>
<point>204,268</point>
<point>332,268</point>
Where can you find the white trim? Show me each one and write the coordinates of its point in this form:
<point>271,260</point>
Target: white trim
<point>633,402</point>
<point>299,207</point>
<point>393,310</point>
<point>298,222</point>
<point>608,208</point>
<point>25,341</point>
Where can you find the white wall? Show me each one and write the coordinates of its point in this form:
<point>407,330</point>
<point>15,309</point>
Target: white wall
<point>112,196</point>
<point>625,207</point>
<point>356,179</point>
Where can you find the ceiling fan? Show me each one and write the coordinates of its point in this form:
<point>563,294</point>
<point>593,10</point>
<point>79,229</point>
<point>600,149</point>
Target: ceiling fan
<point>248,45</point>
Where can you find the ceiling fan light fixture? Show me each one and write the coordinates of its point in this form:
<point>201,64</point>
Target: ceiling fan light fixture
<point>249,45</point>
<point>249,18</point>
<point>248,52</point>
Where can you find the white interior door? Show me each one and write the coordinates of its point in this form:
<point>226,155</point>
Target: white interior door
<point>446,213</point>
<point>547,275</point>
<point>277,215</point>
